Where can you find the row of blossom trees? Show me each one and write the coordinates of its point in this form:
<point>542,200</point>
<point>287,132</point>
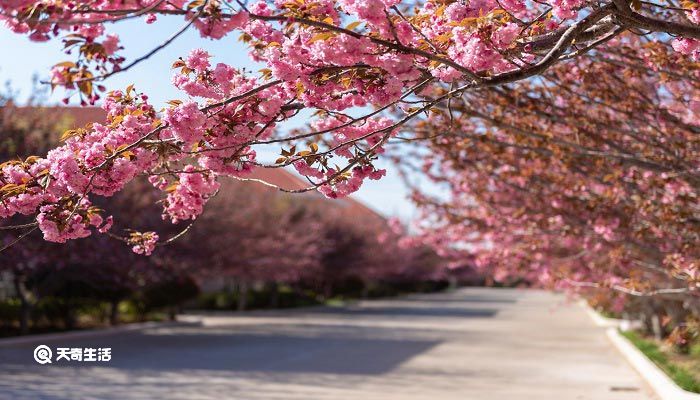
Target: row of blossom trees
<point>251,236</point>
<point>585,179</point>
<point>566,130</point>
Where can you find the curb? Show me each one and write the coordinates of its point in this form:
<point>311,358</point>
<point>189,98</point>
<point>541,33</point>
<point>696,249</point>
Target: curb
<point>599,319</point>
<point>664,387</point>
<point>41,338</point>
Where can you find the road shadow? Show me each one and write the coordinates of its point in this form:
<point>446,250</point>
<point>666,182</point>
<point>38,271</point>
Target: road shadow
<point>322,340</point>
<point>316,350</point>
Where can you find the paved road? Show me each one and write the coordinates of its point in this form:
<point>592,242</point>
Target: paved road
<point>482,344</point>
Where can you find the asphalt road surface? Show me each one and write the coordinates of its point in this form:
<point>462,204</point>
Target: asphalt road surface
<point>481,344</point>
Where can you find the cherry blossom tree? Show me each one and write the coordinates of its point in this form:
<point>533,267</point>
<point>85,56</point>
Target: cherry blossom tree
<point>95,270</point>
<point>584,179</point>
<point>251,234</point>
<point>23,134</point>
<point>392,61</point>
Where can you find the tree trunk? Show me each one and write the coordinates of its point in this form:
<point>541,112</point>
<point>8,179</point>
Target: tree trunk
<point>114,312</point>
<point>676,311</point>
<point>242,295</point>
<point>656,326</point>
<point>648,314</point>
<point>365,290</point>
<point>69,320</point>
<point>274,295</point>
<point>453,284</point>
<point>25,307</point>
<point>328,290</point>
<point>172,313</point>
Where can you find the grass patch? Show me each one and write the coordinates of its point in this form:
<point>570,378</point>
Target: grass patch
<point>679,374</point>
<point>336,302</point>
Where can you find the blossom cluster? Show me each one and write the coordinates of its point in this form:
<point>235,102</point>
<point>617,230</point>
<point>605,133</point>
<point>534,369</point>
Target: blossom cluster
<point>330,56</point>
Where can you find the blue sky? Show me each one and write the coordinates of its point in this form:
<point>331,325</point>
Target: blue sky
<point>23,58</point>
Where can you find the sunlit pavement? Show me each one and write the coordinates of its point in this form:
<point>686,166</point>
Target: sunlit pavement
<point>470,344</point>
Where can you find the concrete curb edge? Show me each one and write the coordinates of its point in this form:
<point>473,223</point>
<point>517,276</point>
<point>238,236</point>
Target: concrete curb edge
<point>599,319</point>
<point>664,386</point>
